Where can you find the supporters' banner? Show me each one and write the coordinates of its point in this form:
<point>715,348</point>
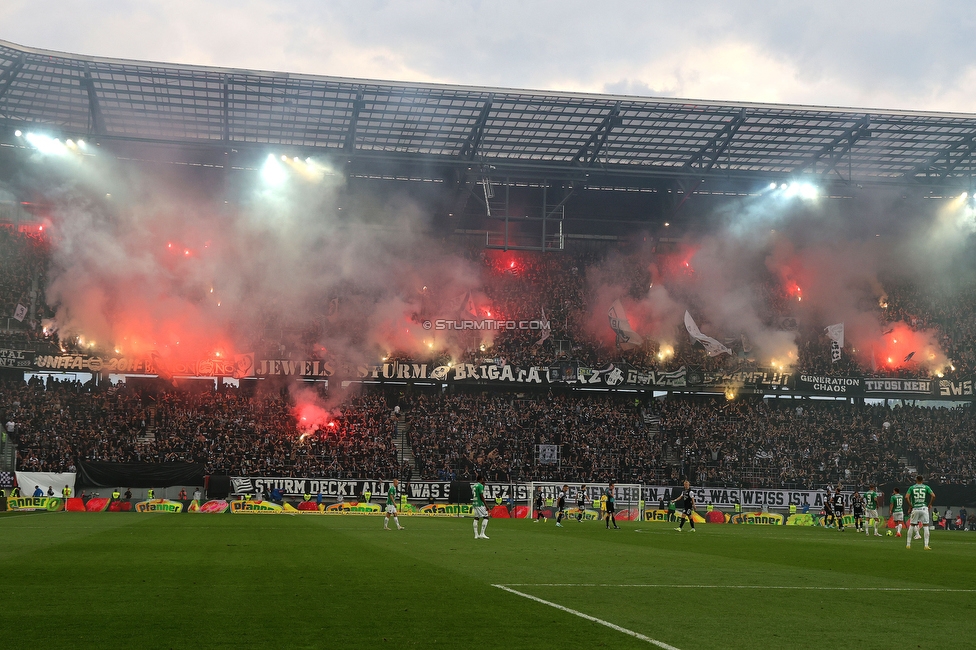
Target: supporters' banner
<point>836,335</point>
<point>726,497</point>
<point>827,385</point>
<point>627,338</point>
<point>239,366</point>
<point>899,387</point>
<point>760,379</point>
<point>28,481</point>
<point>20,313</point>
<point>25,504</point>
<point>712,346</point>
<point>354,489</point>
<point>16,358</point>
<point>675,379</point>
<point>955,388</point>
<point>160,505</point>
<point>625,494</point>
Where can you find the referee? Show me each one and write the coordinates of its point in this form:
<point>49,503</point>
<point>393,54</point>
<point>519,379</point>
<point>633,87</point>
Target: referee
<point>687,507</point>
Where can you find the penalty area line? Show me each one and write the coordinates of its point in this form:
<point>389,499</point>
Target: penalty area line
<point>786,587</point>
<point>636,635</point>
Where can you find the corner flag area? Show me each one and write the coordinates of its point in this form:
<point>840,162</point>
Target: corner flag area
<point>76,580</point>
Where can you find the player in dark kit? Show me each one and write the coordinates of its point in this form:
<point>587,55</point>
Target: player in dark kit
<point>687,507</point>
<point>580,503</point>
<point>828,502</point>
<point>838,507</point>
<point>611,506</point>
<point>857,508</point>
<point>561,505</point>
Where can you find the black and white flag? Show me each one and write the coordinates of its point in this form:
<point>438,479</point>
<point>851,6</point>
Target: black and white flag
<point>836,335</point>
<point>712,346</point>
<point>627,338</point>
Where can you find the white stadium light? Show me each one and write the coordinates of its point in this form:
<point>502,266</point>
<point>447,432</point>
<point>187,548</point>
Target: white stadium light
<point>18,133</point>
<point>772,186</point>
<point>272,172</point>
<point>46,144</point>
<point>807,191</point>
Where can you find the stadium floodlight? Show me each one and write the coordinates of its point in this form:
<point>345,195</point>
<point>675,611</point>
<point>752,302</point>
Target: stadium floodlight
<point>964,196</point>
<point>46,144</point>
<point>806,191</point>
<point>772,186</point>
<point>82,144</point>
<point>18,133</point>
<point>272,172</point>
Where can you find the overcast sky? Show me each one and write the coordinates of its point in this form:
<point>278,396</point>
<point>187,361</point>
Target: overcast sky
<point>894,54</point>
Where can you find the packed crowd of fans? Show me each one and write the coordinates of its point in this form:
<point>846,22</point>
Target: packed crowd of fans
<point>228,431</point>
<point>503,436</point>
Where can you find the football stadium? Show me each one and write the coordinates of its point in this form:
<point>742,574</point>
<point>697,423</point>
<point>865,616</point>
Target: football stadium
<point>292,360</point>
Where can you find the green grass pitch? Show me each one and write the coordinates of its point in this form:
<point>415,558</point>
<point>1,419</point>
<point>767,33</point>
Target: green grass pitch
<point>275,581</point>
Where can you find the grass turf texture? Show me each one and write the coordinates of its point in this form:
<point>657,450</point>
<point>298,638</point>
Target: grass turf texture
<point>170,581</point>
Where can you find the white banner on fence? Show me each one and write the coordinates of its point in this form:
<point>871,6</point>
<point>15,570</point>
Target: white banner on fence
<point>724,497</point>
<point>27,481</point>
<point>521,493</point>
<point>353,489</point>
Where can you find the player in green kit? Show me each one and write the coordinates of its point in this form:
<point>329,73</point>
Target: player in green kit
<point>871,498</point>
<point>480,511</point>
<point>391,501</point>
<point>896,510</point>
<point>920,498</point>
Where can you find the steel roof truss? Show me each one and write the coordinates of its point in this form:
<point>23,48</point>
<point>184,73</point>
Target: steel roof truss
<point>716,146</point>
<point>589,152</point>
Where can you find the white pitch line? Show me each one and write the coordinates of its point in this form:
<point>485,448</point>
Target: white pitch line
<point>636,635</point>
<point>793,587</point>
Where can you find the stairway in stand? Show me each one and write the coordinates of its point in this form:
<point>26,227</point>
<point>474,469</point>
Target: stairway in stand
<point>404,451</point>
<point>149,435</point>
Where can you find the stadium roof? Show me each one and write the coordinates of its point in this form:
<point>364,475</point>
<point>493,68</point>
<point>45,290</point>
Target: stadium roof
<point>619,139</point>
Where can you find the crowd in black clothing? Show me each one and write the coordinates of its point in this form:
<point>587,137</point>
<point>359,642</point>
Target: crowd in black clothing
<point>228,431</point>
<point>746,442</point>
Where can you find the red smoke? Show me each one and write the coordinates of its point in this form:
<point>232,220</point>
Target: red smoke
<point>898,341</point>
